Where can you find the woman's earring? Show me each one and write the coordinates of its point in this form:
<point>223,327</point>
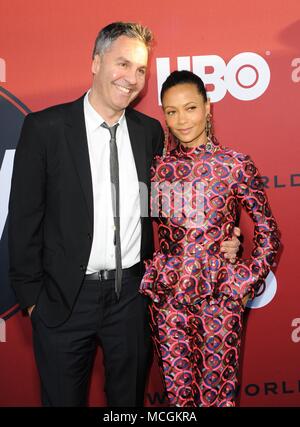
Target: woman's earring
<point>167,142</point>
<point>208,126</point>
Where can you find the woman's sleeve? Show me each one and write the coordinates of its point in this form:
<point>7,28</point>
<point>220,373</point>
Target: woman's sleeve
<point>248,190</point>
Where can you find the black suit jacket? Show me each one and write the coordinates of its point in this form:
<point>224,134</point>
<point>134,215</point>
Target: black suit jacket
<point>51,205</point>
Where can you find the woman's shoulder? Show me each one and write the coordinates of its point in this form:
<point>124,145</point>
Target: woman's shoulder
<point>225,153</point>
<point>168,157</point>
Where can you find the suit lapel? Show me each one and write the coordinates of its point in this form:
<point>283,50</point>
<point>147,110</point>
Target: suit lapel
<point>75,132</point>
<point>77,139</point>
<point>138,144</point>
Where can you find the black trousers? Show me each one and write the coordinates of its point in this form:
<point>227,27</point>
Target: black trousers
<point>65,354</point>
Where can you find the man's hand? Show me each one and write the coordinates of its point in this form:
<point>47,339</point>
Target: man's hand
<point>29,310</point>
<point>231,247</point>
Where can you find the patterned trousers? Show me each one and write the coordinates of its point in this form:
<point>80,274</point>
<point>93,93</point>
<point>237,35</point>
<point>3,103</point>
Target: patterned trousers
<point>198,348</point>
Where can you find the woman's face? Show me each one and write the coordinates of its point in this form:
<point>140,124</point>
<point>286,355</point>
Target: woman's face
<point>185,112</point>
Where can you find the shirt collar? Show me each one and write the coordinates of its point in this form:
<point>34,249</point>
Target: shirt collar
<point>94,120</point>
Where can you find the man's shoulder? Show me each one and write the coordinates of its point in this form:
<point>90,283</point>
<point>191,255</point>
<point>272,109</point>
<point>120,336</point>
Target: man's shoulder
<point>57,112</point>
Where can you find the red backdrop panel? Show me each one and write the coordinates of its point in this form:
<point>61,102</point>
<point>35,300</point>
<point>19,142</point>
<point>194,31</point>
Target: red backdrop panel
<point>45,58</point>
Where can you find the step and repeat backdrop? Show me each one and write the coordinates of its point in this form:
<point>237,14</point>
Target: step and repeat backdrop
<point>248,54</point>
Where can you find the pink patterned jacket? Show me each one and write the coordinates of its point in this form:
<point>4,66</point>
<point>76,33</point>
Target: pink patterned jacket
<point>196,197</point>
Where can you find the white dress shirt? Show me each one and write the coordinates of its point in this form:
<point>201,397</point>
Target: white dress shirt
<point>103,250</point>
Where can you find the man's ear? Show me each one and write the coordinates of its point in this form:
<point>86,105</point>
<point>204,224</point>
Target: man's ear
<point>96,64</point>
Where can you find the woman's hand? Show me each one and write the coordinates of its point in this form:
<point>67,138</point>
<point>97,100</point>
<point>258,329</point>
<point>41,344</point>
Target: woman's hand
<point>245,300</point>
<point>232,246</point>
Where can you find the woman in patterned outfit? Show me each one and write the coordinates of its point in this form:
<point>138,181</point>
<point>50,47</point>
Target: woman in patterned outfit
<point>198,297</point>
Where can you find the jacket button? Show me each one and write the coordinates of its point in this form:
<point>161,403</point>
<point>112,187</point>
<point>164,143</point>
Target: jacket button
<point>89,236</point>
<point>82,267</point>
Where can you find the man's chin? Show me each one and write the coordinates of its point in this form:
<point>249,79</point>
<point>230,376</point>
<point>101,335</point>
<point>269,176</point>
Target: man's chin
<point>122,105</point>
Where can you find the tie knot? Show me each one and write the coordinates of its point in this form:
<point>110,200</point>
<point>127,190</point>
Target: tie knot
<point>112,130</point>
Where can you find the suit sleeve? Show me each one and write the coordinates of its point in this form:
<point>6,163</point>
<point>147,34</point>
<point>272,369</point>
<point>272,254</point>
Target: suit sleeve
<point>248,190</point>
<point>26,213</point>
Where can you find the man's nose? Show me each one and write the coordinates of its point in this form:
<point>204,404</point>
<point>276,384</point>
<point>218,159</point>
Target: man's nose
<point>131,76</point>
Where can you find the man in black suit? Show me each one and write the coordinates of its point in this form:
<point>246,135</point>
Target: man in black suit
<point>77,236</point>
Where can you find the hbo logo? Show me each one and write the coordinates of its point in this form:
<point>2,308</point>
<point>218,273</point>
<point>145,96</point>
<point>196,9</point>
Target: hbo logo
<point>245,77</point>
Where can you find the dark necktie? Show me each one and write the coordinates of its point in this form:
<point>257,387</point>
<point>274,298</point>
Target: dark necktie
<point>115,192</point>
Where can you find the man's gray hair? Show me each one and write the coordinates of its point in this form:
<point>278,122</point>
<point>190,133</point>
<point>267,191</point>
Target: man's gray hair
<point>117,29</point>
